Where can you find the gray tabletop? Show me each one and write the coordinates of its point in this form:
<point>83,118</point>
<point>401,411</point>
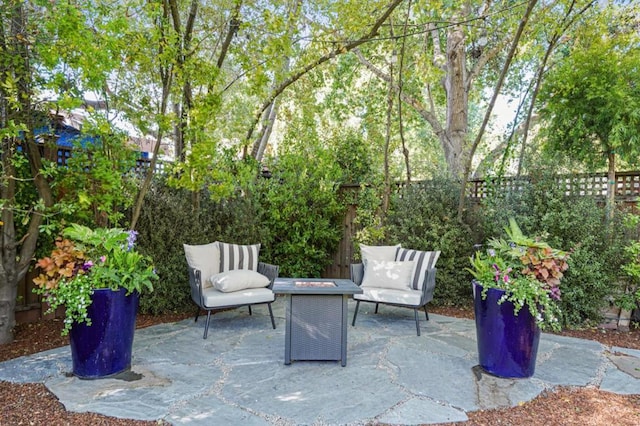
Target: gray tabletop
<point>315,286</point>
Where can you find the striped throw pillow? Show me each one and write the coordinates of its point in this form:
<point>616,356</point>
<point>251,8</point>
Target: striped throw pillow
<point>235,256</point>
<point>424,260</point>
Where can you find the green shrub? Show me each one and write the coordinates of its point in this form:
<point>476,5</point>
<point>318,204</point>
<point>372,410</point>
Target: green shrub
<point>166,222</point>
<point>628,296</point>
<point>301,215</point>
<point>570,223</point>
<point>423,217</point>
<point>169,220</point>
<point>297,217</point>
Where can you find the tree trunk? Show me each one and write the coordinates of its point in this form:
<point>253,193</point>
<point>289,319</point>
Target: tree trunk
<point>611,184</point>
<point>8,281</point>
<point>456,128</point>
<point>16,252</point>
<point>405,150</point>
<point>166,76</point>
<point>386,194</point>
<point>183,41</point>
<point>260,145</point>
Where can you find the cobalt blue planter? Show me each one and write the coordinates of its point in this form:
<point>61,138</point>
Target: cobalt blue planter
<point>103,349</point>
<point>507,344</point>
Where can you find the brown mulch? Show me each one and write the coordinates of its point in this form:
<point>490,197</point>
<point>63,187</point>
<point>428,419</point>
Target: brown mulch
<point>33,404</point>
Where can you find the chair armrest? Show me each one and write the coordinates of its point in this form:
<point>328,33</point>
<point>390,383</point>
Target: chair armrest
<point>195,282</point>
<point>428,286</point>
<point>357,273</point>
<point>269,271</point>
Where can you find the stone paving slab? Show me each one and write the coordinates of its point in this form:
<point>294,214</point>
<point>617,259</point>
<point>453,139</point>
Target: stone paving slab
<point>238,375</point>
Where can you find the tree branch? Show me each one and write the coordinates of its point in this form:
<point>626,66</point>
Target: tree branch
<point>428,115</point>
<point>341,49</point>
<point>487,115</point>
<point>234,24</point>
<point>542,69</point>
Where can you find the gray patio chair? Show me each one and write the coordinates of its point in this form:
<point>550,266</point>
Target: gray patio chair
<point>415,296</point>
<point>234,286</point>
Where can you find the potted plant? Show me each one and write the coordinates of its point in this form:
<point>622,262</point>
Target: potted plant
<point>516,288</point>
<point>97,275</point>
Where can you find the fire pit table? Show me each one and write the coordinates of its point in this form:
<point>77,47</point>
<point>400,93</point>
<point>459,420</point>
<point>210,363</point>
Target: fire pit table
<point>316,321</point>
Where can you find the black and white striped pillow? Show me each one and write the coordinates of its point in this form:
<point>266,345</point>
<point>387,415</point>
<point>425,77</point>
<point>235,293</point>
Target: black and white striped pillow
<point>235,256</point>
<point>424,260</point>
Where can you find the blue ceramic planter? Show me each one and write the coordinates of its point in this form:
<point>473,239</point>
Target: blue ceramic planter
<point>507,344</point>
<point>104,348</point>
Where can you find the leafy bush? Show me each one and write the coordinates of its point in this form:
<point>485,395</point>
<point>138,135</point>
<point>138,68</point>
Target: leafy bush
<point>629,294</point>
<point>370,227</point>
<point>301,215</point>
<point>423,217</point>
<point>297,216</point>
<point>571,223</point>
<point>99,178</point>
<point>169,220</point>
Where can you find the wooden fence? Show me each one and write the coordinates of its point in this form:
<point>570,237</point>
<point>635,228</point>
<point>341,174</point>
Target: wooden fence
<point>587,185</point>
<point>29,308</point>
<point>592,185</point>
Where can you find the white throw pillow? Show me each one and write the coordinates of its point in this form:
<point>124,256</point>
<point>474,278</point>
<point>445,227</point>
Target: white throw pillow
<point>388,274</point>
<point>206,258</point>
<point>378,252</point>
<point>239,279</point>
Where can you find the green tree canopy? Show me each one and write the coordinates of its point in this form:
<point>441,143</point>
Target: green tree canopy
<point>591,100</point>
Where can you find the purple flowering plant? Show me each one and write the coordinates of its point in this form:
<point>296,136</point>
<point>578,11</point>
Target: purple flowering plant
<point>528,269</point>
<point>86,259</point>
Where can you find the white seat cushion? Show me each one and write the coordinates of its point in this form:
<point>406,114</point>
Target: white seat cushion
<point>386,295</point>
<point>388,274</point>
<point>205,258</point>
<point>239,279</point>
<point>217,299</point>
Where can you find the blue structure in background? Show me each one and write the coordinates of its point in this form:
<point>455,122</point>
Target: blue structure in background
<point>67,137</point>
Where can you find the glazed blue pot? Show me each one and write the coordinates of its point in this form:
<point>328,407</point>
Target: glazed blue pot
<point>103,349</point>
<point>507,344</point>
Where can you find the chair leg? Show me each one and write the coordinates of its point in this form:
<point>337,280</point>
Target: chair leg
<point>197,314</point>
<point>426,314</point>
<point>376,308</point>
<point>355,314</point>
<point>415,314</point>
<point>250,313</point>
<point>273,322</point>
<point>206,326</point>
